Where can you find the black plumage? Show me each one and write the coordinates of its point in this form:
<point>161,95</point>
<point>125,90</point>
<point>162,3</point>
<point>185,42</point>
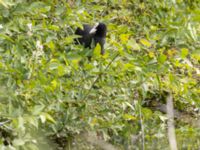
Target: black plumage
<point>88,34</point>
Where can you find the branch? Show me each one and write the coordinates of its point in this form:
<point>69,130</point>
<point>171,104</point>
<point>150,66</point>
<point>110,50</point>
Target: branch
<point>170,123</point>
<point>95,81</point>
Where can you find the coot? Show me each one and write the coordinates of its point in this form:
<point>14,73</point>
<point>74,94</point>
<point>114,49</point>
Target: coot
<point>89,33</point>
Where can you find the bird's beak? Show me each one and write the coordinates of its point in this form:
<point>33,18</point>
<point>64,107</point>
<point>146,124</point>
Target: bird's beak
<point>94,29</point>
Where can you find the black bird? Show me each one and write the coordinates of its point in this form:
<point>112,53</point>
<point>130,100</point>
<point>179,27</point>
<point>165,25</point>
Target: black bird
<point>88,34</point>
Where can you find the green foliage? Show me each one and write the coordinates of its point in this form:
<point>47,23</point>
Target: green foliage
<point>51,92</point>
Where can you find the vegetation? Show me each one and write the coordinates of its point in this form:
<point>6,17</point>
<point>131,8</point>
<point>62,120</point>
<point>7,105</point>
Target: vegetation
<point>51,95</point>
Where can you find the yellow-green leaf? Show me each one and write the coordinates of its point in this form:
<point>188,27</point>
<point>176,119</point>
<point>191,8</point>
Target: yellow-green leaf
<point>54,84</point>
<point>129,117</point>
<point>151,54</point>
<point>124,38</point>
<point>162,58</point>
<point>49,117</point>
<point>184,52</point>
<point>145,42</point>
<point>97,50</point>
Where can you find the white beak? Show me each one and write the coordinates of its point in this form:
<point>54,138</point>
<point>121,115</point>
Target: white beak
<point>94,29</point>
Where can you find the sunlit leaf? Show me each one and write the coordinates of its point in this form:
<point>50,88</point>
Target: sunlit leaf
<point>124,38</point>
<point>145,42</point>
<point>129,117</point>
<point>133,45</point>
<point>37,109</point>
<point>5,3</point>
<point>6,37</point>
<point>97,51</point>
<point>19,142</point>
<point>162,58</point>
<point>43,118</point>
<point>54,84</point>
<point>48,117</point>
<point>151,54</point>
<point>184,52</point>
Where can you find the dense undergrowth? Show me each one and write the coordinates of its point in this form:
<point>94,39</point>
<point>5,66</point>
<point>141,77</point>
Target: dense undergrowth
<point>51,95</point>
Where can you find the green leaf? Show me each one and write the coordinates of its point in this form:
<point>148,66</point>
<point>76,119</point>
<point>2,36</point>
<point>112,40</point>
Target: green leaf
<point>43,118</point>
<point>184,52</point>
<point>6,4</point>
<point>54,84</point>
<point>54,27</point>
<point>49,118</point>
<point>18,142</point>
<point>133,45</point>
<point>129,105</point>
<point>97,51</point>
<point>162,58</point>
<point>124,38</point>
<point>145,42</point>
<point>37,109</point>
<point>192,31</point>
<point>129,117</point>
<point>70,39</point>
<point>3,36</point>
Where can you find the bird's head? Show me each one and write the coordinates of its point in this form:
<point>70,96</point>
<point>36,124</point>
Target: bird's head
<point>99,29</point>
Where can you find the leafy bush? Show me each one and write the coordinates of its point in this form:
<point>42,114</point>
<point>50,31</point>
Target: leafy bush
<point>51,94</point>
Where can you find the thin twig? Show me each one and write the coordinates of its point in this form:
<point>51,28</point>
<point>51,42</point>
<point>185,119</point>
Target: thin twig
<point>142,128</point>
<point>98,77</point>
<point>2,123</point>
